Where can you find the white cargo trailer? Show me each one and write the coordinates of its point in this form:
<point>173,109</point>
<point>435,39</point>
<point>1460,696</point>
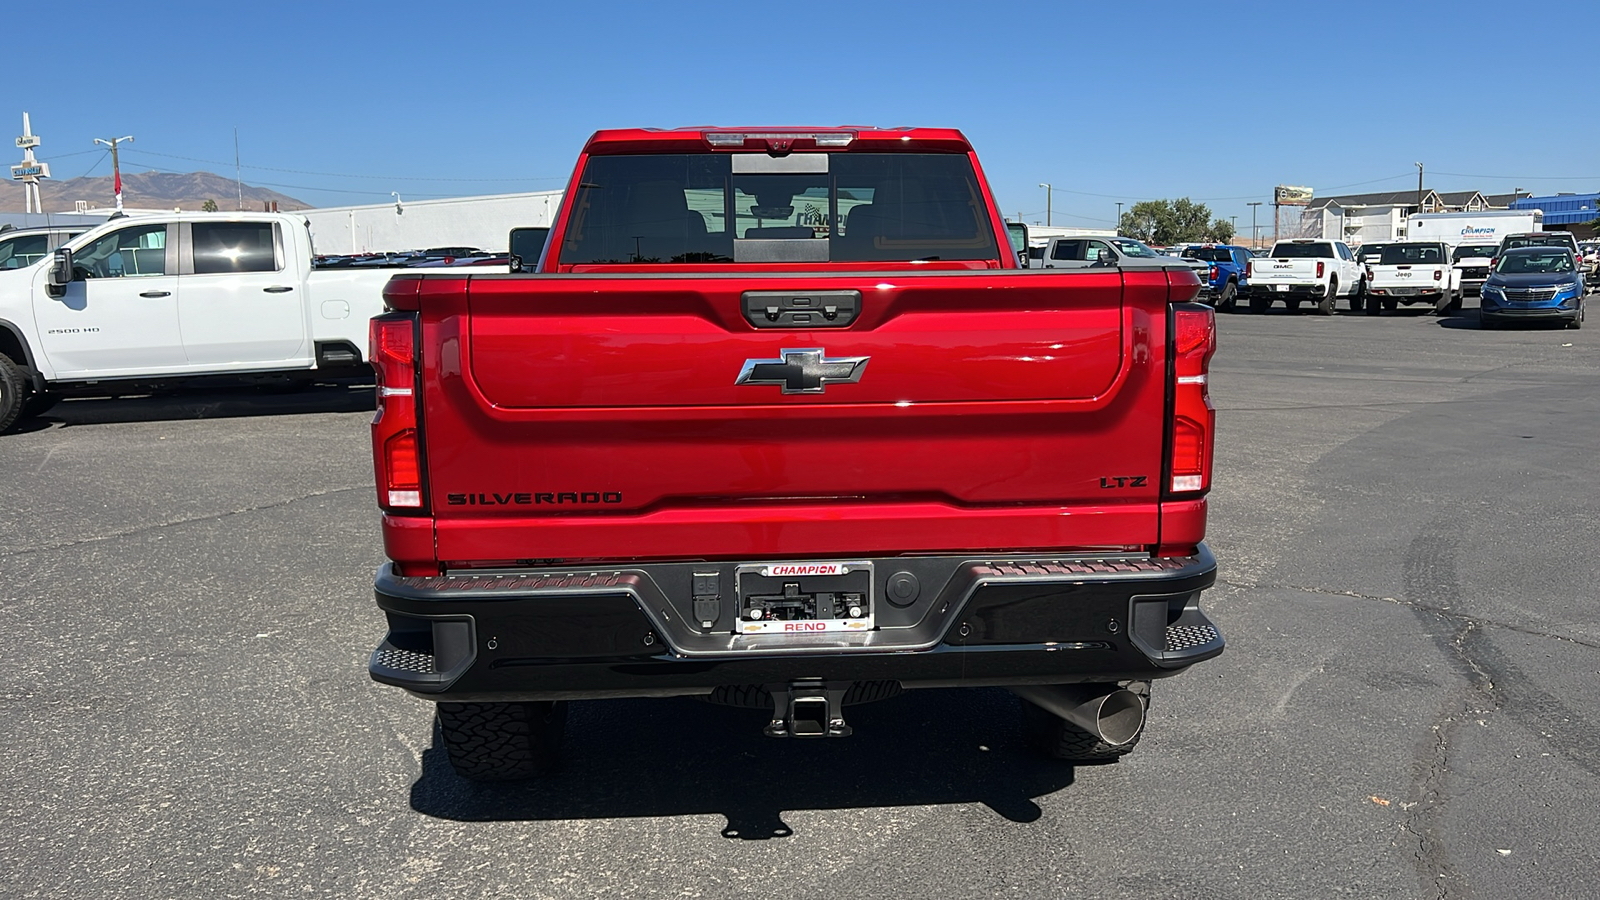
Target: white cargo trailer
<point>1486,227</point>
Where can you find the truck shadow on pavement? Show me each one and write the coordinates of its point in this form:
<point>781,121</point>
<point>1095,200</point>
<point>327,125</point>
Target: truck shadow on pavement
<point>680,757</point>
<point>210,402</point>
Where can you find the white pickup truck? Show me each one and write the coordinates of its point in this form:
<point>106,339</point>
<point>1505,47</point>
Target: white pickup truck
<point>1413,272</point>
<point>1300,270</point>
<point>161,298</point>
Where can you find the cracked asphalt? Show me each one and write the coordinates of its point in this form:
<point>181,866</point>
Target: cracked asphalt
<point>1407,522</point>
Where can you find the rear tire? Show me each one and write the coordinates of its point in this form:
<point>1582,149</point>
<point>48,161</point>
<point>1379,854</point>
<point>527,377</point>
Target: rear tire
<point>502,741</point>
<point>1229,300</point>
<point>13,393</point>
<point>1326,304</point>
<point>1057,738</point>
<point>1359,298</point>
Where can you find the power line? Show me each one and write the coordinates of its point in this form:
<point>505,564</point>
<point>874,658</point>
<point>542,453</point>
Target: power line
<point>1526,177</point>
<point>103,155</point>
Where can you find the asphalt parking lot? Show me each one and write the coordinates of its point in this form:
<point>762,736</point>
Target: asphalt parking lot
<point>1404,510</point>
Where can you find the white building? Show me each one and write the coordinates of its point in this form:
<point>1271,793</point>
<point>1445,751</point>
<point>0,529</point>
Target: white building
<point>482,222</point>
<point>1381,218</point>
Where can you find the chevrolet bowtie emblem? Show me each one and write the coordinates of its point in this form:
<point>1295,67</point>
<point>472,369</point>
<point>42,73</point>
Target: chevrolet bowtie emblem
<point>804,371</point>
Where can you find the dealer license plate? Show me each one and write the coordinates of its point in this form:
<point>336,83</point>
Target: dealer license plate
<point>1402,292</point>
<point>805,597</point>
<point>1280,287</point>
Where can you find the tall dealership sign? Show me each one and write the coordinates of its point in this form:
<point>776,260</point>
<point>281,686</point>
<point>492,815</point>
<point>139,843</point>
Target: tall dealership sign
<point>31,170</point>
<point>1291,195</point>
<point>1287,195</point>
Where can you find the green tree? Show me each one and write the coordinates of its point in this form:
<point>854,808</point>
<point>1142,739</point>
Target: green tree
<point>209,206</point>
<point>1163,222</point>
<point>1220,232</point>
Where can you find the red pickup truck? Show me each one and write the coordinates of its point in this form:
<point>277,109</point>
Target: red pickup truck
<point>778,421</point>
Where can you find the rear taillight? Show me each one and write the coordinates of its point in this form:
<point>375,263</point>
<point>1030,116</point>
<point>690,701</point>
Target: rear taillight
<point>1319,268</point>
<point>1437,273</point>
<point>1211,273</point>
<point>396,435</point>
<point>1194,340</point>
<point>1250,269</point>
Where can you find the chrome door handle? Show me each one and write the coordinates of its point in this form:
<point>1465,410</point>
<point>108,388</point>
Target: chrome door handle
<point>278,289</point>
<point>154,294</point>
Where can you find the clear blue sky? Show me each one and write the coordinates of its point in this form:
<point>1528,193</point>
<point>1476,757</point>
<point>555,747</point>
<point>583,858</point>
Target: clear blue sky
<point>1107,101</point>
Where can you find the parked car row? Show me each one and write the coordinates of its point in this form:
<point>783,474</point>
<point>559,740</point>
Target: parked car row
<point>22,247</point>
<point>404,259</point>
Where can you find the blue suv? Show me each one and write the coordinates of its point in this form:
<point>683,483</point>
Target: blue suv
<point>1533,283</point>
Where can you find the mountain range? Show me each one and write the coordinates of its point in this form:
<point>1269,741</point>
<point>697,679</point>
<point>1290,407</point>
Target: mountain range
<point>148,190</point>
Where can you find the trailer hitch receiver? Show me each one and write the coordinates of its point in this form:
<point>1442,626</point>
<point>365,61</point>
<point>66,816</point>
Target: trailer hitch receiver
<point>808,709</point>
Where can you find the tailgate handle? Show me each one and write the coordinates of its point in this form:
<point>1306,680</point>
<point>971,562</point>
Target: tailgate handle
<point>801,309</point>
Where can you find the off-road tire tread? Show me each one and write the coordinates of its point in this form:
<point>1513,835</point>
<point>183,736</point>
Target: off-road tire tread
<point>13,393</point>
<point>501,741</point>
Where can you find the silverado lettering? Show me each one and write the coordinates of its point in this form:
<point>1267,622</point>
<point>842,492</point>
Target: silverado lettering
<point>528,499</point>
<point>795,533</point>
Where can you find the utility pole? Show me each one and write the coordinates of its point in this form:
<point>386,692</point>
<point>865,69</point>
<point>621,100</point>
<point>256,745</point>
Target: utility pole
<point>1047,192</point>
<point>1235,221</point>
<point>238,180</point>
<point>1119,217</point>
<point>1255,235</point>
<point>116,168</point>
<point>1419,186</point>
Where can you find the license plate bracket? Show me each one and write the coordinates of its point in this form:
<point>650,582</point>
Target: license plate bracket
<point>806,597</point>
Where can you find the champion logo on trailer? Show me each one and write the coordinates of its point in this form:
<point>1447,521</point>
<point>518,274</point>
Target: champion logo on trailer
<point>803,569</point>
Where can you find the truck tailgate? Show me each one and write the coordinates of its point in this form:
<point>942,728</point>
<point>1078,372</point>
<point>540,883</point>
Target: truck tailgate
<point>993,409</point>
<point>1283,271</point>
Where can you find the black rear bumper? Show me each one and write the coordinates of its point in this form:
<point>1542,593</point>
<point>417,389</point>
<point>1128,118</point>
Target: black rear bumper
<point>941,621</point>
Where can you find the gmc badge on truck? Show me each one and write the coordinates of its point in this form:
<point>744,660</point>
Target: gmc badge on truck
<point>803,371</point>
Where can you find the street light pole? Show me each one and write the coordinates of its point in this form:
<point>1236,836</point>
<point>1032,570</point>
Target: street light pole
<point>1419,186</point>
<point>1047,192</point>
<point>1235,221</point>
<point>1119,217</point>
<point>1255,236</point>
<point>116,169</point>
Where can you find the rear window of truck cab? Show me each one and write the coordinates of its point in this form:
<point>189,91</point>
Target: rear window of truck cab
<point>1303,251</point>
<point>805,207</point>
<point>1411,254</point>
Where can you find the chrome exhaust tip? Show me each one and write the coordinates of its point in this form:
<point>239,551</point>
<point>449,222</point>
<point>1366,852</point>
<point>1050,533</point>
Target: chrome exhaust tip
<point>1112,714</point>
